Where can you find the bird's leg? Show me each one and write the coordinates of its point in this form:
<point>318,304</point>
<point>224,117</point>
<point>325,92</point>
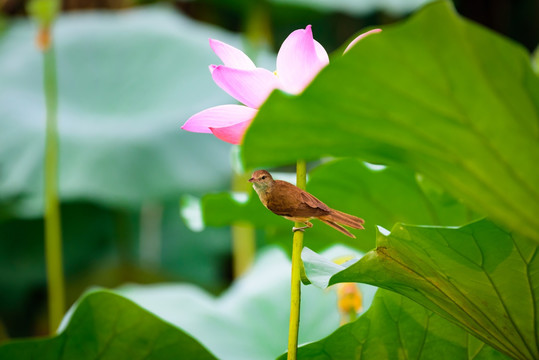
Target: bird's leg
<point>307,225</point>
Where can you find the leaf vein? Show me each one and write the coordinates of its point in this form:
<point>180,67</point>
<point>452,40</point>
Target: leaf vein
<point>496,336</point>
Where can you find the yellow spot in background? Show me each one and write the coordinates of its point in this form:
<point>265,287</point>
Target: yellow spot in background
<point>349,301</point>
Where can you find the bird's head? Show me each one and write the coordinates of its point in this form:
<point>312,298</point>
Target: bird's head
<point>261,179</point>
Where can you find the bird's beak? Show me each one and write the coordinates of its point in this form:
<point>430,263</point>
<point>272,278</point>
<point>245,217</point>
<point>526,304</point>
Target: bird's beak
<point>251,179</point>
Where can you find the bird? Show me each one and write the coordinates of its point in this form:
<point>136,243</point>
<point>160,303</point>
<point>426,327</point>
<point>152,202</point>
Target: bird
<point>295,204</point>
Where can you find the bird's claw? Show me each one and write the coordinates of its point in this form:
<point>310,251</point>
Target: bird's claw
<point>302,229</point>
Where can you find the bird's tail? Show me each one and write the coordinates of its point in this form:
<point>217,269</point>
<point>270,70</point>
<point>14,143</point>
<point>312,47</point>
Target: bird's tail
<point>337,226</point>
<point>346,219</point>
<point>337,218</point>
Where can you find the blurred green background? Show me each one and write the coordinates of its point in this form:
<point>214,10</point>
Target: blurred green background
<point>130,73</point>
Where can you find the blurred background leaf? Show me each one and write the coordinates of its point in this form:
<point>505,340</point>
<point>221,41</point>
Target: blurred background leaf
<point>244,322</point>
<point>88,230</point>
<point>359,7</point>
<point>338,20</point>
<point>127,83</point>
<point>106,325</point>
<point>103,246</point>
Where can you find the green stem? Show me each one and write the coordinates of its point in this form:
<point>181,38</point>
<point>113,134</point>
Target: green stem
<point>243,247</point>
<point>243,234</point>
<point>53,235</point>
<point>295,297</point>
<point>258,26</point>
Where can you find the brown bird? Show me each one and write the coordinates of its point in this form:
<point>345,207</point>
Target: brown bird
<point>294,204</point>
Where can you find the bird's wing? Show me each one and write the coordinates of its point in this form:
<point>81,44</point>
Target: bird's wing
<point>289,200</point>
<point>311,201</point>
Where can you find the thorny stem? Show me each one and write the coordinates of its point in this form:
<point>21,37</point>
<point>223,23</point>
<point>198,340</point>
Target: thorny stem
<point>295,297</point>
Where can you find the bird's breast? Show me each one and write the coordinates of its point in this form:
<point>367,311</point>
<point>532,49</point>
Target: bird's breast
<point>262,195</point>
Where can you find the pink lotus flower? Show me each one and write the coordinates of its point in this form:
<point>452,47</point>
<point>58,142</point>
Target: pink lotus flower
<point>299,60</point>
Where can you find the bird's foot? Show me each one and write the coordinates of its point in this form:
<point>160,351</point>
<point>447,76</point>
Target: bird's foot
<point>302,229</point>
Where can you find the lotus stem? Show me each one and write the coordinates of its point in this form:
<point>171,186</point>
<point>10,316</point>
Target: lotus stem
<point>295,296</point>
<point>243,234</point>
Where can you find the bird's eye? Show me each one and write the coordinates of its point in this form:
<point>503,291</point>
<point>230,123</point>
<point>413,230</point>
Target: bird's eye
<point>263,177</point>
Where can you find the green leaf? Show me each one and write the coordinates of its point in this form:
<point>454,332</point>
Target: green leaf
<point>88,233</point>
<point>398,7</point>
<point>381,197</point>
<point>397,328</point>
<point>127,81</point>
<point>102,247</point>
<point>298,9</point>
<point>535,60</point>
<point>250,319</point>
<point>444,96</point>
<point>224,209</point>
<point>108,326</point>
<point>478,276</point>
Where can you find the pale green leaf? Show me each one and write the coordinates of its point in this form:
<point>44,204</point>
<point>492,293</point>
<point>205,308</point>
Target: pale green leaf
<point>249,320</point>
<point>127,81</point>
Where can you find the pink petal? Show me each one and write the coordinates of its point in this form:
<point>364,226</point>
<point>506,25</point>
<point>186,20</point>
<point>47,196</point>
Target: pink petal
<point>299,60</point>
<point>217,117</point>
<point>231,56</point>
<point>321,53</point>
<point>356,40</point>
<point>250,87</point>
<point>232,134</point>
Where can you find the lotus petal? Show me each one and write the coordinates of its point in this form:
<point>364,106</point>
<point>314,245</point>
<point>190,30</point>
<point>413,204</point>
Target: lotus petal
<point>250,87</point>
<point>218,117</point>
<point>299,60</point>
<point>230,56</point>
<point>232,134</point>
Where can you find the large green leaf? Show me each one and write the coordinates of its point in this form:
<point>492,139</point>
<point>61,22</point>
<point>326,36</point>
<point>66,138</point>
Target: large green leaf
<point>478,276</point>
<point>249,320</point>
<point>397,328</point>
<point>108,326</point>
<point>382,197</point>
<point>127,81</point>
<point>444,96</point>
